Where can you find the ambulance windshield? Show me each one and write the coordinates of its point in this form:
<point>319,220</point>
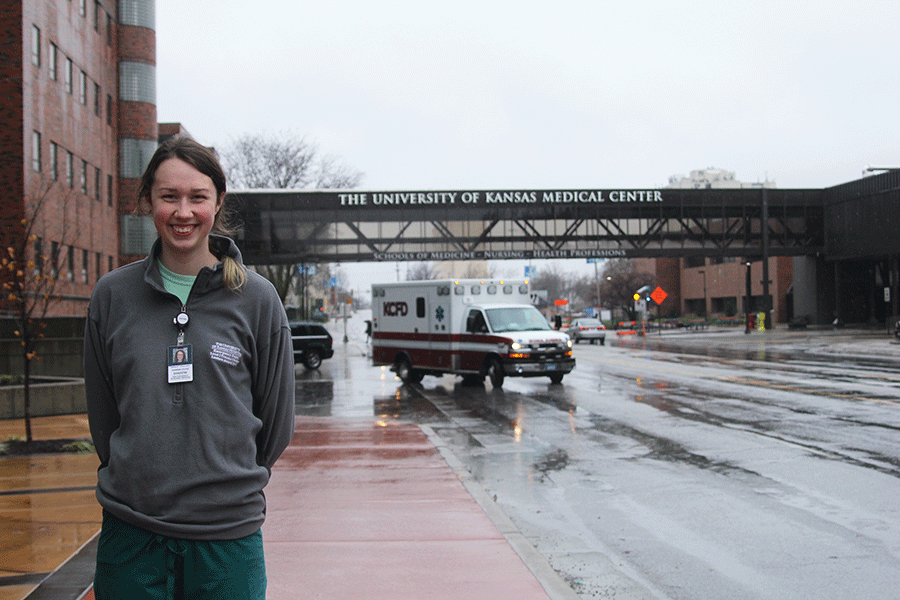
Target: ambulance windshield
<point>516,318</point>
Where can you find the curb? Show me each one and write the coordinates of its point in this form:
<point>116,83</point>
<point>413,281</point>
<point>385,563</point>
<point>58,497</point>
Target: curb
<point>549,579</point>
<point>73,579</point>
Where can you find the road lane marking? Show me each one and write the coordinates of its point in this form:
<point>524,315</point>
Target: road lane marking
<point>747,381</point>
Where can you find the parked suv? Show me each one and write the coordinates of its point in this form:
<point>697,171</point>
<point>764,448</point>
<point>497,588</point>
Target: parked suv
<point>312,344</point>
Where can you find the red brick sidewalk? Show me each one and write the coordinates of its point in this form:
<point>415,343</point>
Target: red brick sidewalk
<point>365,510</point>
<point>359,509</point>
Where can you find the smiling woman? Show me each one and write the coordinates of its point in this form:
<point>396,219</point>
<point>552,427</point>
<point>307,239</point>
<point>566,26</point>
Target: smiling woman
<point>189,383</point>
<point>183,189</point>
<point>184,205</point>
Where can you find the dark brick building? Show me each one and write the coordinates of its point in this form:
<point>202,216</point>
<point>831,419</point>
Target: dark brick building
<point>77,126</point>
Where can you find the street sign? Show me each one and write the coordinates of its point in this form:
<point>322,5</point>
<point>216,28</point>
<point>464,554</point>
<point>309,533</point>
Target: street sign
<point>560,302</point>
<point>658,295</point>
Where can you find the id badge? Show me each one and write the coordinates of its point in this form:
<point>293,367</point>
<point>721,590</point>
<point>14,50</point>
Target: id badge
<point>181,364</point>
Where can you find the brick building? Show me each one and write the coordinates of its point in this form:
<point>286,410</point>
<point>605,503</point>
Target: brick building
<point>79,124</point>
<point>701,286</point>
<point>718,287</point>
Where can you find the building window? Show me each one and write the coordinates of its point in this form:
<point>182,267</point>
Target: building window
<point>70,169</point>
<point>97,95</point>
<point>692,262</point>
<point>35,46</point>
<point>71,263</point>
<point>36,151</point>
<point>109,262</point>
<point>54,168</point>
<point>84,186</point>
<point>109,109</point>
<point>38,256</point>
<point>67,75</point>
<point>138,234</point>
<point>82,88</point>
<point>109,29</point>
<point>82,8</point>
<point>134,156</point>
<point>52,61</point>
<point>84,266</point>
<point>98,10</point>
<point>137,82</point>
<point>54,259</point>
<point>109,190</point>
<point>97,184</point>
<point>140,13</point>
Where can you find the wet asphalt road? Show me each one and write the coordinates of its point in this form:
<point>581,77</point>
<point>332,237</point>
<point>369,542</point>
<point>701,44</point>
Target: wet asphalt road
<point>680,467</point>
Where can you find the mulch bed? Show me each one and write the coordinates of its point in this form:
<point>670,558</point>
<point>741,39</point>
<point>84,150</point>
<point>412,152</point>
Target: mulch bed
<point>58,446</point>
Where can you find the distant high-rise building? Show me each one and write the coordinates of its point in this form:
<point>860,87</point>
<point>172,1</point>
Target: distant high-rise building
<point>712,178</point>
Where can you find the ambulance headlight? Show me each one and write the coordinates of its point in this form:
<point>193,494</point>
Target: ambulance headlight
<point>515,346</point>
<point>569,343</point>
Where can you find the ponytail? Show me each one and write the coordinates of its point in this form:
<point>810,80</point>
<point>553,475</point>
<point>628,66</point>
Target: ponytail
<point>233,274</point>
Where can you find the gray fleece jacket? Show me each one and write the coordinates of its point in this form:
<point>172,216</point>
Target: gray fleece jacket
<point>188,460</point>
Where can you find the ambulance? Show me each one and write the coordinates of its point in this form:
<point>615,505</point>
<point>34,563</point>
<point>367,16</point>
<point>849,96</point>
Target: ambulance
<point>475,328</point>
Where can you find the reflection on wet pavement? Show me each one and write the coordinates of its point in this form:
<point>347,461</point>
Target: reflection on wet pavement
<point>314,398</point>
<point>47,505</point>
<point>406,405</point>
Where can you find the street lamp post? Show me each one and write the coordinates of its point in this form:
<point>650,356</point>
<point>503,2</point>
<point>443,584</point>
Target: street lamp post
<point>705,310</point>
<point>748,299</point>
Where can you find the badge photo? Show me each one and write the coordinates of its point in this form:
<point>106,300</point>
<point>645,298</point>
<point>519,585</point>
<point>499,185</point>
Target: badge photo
<point>180,363</point>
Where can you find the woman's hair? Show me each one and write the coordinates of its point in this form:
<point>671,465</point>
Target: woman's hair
<point>203,159</point>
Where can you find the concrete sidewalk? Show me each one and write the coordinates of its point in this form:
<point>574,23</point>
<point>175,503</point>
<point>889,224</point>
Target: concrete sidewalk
<point>356,508</point>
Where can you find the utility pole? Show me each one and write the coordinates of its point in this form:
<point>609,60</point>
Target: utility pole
<point>705,309</point>
<point>346,306</point>
<point>748,298</point>
<point>764,229</point>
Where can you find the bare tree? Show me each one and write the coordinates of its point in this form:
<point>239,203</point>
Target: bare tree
<point>29,278</point>
<point>285,161</point>
<point>585,289</point>
<point>623,281</point>
<point>257,161</point>
<point>333,174</point>
<point>420,271</point>
<point>559,284</point>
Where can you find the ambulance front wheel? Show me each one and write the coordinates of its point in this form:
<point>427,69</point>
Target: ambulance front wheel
<point>495,373</point>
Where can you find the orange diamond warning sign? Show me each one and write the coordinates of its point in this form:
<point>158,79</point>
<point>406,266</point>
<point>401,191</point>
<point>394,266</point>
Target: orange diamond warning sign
<point>658,295</point>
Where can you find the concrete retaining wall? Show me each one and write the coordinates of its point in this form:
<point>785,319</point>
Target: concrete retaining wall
<point>60,351</point>
<point>47,399</point>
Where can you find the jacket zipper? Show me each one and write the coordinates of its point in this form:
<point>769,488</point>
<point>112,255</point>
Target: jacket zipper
<point>178,392</point>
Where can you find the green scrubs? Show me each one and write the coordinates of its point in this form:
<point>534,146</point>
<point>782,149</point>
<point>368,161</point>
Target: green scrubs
<point>133,564</point>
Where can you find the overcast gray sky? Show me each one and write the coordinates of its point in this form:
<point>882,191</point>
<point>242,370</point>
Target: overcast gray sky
<point>493,94</point>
